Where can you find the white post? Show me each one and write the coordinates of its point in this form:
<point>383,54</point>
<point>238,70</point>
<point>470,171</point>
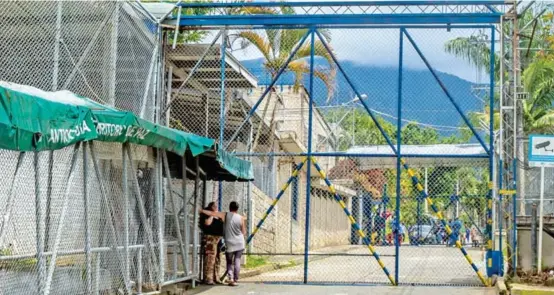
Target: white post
<point>541,212</point>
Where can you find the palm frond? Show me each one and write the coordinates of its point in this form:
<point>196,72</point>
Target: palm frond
<point>300,67</point>
<point>289,40</point>
<point>538,79</point>
<point>544,123</point>
<point>473,50</point>
<point>257,40</point>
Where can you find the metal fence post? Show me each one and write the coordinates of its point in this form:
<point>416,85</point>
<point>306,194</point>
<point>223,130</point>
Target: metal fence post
<point>514,220</point>
<point>222,110</point>
<point>534,237</point>
<point>398,157</point>
<point>500,214</point>
<point>125,206</point>
<point>308,172</point>
<point>541,222</point>
<point>57,239</point>
<point>195,223</point>
<point>175,211</point>
<point>160,218</point>
<point>186,222</point>
<point>88,253</point>
<point>39,226</point>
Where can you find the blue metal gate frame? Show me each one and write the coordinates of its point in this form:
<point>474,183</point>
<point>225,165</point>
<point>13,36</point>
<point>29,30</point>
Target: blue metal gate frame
<point>478,14</point>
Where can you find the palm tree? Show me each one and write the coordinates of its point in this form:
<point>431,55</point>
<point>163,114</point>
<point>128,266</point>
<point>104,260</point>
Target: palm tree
<point>276,45</point>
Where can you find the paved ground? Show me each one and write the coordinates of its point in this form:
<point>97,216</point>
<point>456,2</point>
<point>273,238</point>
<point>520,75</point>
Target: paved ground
<point>418,265</point>
<point>263,289</point>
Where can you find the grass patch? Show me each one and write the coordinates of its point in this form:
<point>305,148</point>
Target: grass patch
<point>255,261</point>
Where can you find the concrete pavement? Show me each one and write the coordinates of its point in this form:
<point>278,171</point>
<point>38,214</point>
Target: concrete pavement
<point>426,265</point>
<point>266,289</point>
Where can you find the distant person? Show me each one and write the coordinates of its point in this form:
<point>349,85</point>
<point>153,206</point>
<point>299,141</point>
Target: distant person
<point>235,231</point>
<point>474,237</point>
<point>213,229</point>
<point>455,226</point>
<point>468,234</point>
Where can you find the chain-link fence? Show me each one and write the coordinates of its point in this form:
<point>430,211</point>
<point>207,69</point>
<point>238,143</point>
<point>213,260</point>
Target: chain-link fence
<point>92,220</point>
<point>359,216</point>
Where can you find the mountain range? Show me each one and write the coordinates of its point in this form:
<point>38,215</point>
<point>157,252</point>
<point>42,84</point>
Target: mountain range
<point>423,99</point>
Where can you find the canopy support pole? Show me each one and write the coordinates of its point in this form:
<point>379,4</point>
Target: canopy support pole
<point>186,222</point>
<point>196,266</point>
<point>41,263</point>
<point>142,210</point>
<point>60,225</point>
<point>174,208</point>
<point>109,208</point>
<point>160,215</point>
<point>9,202</point>
<point>125,206</point>
<point>88,253</point>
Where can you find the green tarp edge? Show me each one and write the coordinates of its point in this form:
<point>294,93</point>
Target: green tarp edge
<point>236,166</point>
<point>26,112</point>
<point>32,123</point>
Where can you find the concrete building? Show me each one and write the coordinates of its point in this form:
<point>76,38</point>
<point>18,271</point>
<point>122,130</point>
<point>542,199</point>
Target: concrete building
<point>279,125</point>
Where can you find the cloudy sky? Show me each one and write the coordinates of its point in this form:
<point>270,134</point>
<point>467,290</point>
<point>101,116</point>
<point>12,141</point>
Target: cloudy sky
<point>379,47</point>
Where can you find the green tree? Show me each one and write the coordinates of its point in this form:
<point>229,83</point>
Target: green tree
<point>276,45</point>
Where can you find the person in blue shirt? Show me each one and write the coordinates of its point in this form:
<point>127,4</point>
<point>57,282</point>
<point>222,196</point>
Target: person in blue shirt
<point>456,226</point>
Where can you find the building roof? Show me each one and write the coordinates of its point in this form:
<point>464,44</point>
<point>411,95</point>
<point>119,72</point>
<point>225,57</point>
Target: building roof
<point>184,57</point>
<point>420,155</point>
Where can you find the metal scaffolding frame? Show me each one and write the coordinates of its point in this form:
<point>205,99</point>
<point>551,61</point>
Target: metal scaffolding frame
<point>402,15</point>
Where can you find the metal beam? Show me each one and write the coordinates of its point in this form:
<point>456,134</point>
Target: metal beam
<point>354,19</point>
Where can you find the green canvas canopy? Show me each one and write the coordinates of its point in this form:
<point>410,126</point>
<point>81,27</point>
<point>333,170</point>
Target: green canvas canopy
<point>33,119</point>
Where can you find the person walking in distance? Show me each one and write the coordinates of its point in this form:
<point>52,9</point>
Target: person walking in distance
<point>235,231</point>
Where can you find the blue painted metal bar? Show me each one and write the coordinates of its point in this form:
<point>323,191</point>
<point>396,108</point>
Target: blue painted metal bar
<point>514,220</point>
<point>358,155</point>
<point>308,173</point>
<point>345,4</point>
<point>490,234</point>
<point>398,155</point>
<point>270,86</point>
<point>355,225</point>
<point>370,112</point>
<point>346,19</point>
<point>368,26</point>
<point>499,215</point>
<point>222,110</point>
<point>445,90</point>
<point>293,175</point>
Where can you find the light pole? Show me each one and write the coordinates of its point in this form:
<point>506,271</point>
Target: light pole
<point>355,99</point>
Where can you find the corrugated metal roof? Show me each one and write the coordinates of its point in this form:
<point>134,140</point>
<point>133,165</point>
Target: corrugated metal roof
<point>427,156</point>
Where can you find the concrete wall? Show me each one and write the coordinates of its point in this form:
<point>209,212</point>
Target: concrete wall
<point>525,250</point>
<point>280,233</point>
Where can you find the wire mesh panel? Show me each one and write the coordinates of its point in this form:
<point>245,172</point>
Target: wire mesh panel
<point>358,100</point>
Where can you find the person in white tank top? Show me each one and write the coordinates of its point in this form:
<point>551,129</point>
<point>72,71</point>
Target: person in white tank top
<point>235,231</point>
